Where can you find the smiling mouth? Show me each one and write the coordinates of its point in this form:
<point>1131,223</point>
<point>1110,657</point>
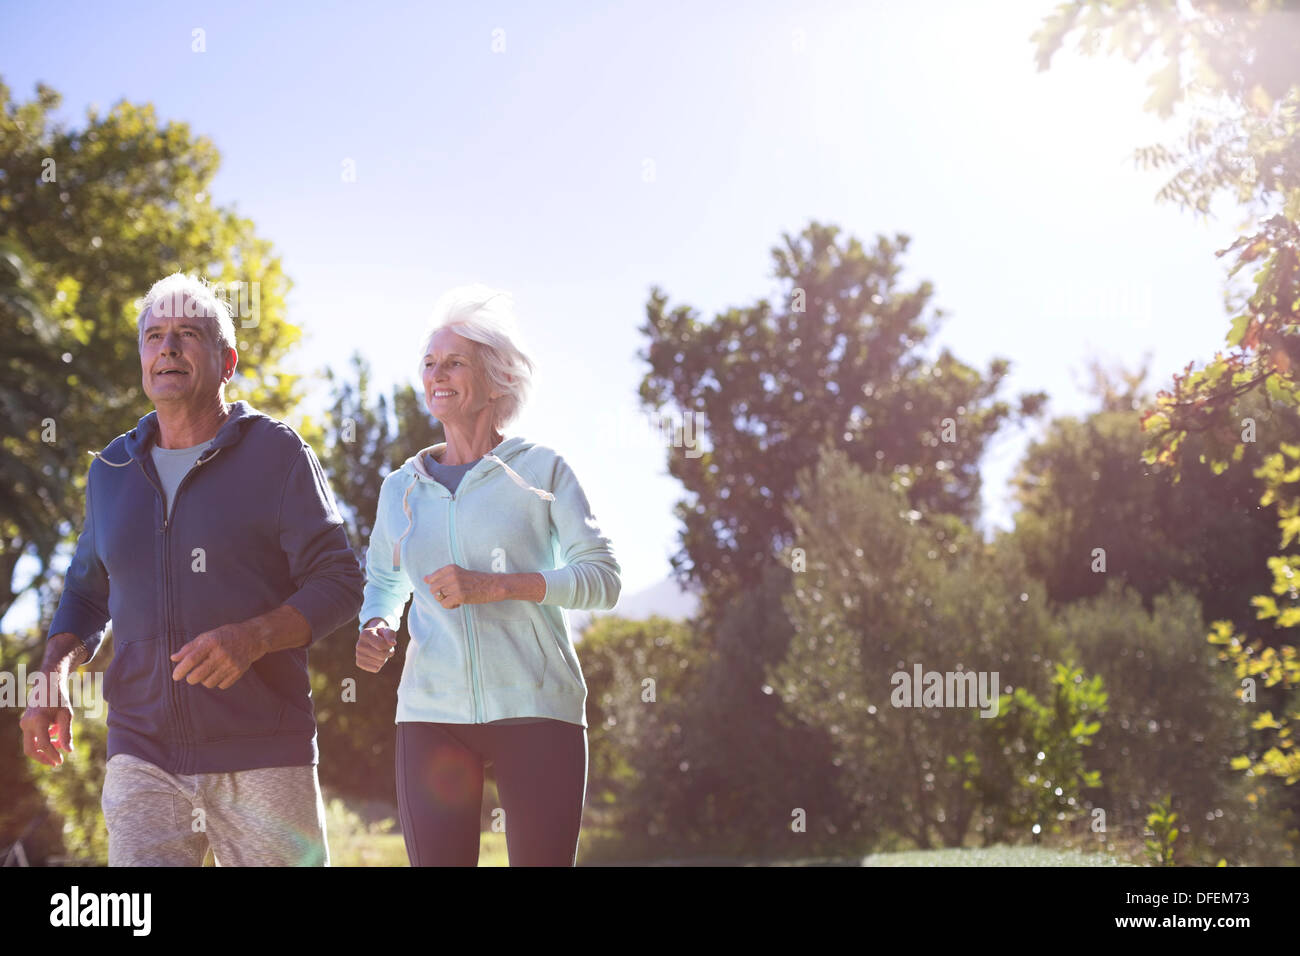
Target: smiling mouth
<point>446,394</point>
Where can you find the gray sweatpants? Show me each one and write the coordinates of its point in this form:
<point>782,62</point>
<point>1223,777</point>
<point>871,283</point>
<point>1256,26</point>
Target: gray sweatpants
<point>273,816</point>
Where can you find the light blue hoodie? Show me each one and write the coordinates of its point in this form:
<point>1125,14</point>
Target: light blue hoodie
<point>519,509</point>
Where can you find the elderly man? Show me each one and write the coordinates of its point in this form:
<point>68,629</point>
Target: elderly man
<point>213,543</point>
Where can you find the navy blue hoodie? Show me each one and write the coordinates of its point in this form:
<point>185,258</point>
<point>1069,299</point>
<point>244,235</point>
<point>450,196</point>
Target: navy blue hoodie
<point>253,526</point>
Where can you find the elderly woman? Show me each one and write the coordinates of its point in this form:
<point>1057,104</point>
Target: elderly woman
<point>474,526</point>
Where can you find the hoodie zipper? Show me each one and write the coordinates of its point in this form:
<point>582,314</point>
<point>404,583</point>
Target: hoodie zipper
<point>173,692</point>
<point>471,633</point>
<point>471,637</point>
<point>174,704</point>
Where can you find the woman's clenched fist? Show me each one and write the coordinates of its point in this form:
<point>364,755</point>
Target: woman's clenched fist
<point>375,645</point>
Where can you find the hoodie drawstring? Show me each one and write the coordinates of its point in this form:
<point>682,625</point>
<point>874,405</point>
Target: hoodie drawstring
<point>544,495</point>
<point>203,459</point>
<point>410,523</point>
<point>95,454</point>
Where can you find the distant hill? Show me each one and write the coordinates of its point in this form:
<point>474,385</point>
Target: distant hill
<point>665,599</point>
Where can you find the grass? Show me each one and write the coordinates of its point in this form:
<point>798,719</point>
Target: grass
<point>389,850</point>
<point>357,841</point>
<point>973,857</point>
<point>994,856</point>
<point>368,836</point>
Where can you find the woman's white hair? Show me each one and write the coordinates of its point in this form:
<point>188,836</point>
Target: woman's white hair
<point>487,316</point>
<point>183,294</point>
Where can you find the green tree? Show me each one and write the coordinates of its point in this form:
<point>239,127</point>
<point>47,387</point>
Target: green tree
<point>54,813</point>
<point>1084,486</point>
<point>364,437</point>
<point>881,589</point>
<point>838,358</point>
<point>1173,719</point>
<point>1233,67</point>
<point>103,211</point>
<point>637,672</point>
<point>31,506</point>
<point>1035,780</point>
<point>726,771</point>
<point>46,813</point>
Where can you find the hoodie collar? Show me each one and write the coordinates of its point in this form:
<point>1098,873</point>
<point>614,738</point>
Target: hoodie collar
<point>141,438</point>
<point>507,448</point>
<point>418,471</point>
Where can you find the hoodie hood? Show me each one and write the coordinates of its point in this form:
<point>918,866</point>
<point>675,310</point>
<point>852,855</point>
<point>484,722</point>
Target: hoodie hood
<point>415,467</point>
<point>140,439</point>
<point>415,471</point>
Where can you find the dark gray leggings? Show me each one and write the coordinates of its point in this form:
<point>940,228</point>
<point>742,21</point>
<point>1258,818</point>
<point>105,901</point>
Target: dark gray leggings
<point>541,773</point>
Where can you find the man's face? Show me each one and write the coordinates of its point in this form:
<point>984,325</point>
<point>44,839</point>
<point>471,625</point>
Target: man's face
<point>180,364</point>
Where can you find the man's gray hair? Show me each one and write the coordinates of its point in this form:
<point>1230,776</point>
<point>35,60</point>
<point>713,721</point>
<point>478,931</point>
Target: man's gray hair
<point>486,316</point>
<point>181,294</point>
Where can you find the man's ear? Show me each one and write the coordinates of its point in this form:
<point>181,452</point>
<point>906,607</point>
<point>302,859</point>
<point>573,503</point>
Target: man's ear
<point>229,361</point>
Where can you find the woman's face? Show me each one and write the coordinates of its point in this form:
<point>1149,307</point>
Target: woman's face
<point>455,388</point>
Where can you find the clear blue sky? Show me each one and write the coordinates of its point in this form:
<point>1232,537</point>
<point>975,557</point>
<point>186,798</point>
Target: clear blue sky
<point>523,168</point>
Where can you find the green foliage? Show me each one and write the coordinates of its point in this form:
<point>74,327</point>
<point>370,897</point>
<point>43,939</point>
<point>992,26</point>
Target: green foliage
<point>886,589</point>
<point>1240,64</point>
<point>1163,832</point>
<point>713,767</point>
<point>837,359</point>
<point>54,811</point>
<point>31,511</point>
<point>73,791</point>
<point>354,841</point>
<point>1044,746</point>
<point>1238,57</point>
<point>1173,718</point>
<point>1232,67</point>
<point>23,813</point>
<point>635,672</point>
<point>363,438</point>
<point>103,211</point>
<point>1267,667</point>
<point>1083,486</point>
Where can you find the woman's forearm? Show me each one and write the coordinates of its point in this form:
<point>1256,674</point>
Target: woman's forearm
<point>528,586</point>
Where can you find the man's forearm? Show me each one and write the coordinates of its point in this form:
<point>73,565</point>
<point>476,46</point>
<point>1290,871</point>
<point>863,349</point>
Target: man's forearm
<point>278,630</point>
<point>64,652</point>
<point>528,586</point>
